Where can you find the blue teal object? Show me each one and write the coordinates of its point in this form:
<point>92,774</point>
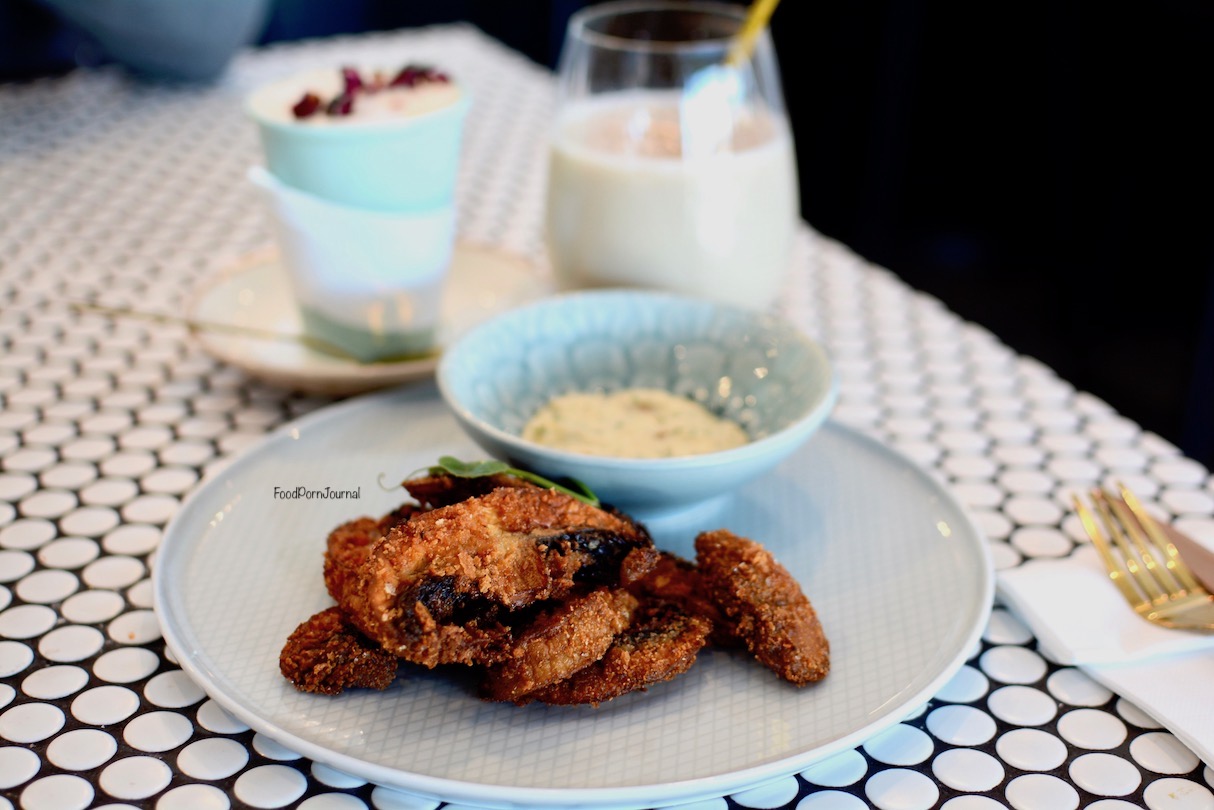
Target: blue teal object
<point>398,165</point>
<point>752,367</point>
<point>171,39</point>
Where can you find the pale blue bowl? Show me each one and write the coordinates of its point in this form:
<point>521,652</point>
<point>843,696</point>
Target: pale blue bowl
<point>751,367</point>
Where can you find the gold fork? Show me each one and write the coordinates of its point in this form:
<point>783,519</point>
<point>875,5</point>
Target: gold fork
<point>1143,563</point>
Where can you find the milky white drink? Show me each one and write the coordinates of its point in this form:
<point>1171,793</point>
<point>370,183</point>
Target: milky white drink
<point>627,206</point>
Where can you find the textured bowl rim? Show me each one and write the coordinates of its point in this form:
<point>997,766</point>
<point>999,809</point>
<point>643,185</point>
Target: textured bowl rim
<point>812,417</point>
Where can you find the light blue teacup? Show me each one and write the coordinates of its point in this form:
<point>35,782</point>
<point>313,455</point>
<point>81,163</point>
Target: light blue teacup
<point>403,163</point>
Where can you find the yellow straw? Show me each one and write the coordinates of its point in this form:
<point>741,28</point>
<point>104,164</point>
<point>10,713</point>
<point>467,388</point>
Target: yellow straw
<point>756,20</point>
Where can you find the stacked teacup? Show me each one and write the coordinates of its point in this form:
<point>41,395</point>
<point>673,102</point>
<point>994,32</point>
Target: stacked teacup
<point>360,174</point>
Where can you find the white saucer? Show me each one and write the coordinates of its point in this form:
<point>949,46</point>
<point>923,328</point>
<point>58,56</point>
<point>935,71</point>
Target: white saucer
<point>255,292</point>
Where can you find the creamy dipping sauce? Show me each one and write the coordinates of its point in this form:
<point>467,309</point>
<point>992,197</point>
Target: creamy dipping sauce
<point>632,423</point>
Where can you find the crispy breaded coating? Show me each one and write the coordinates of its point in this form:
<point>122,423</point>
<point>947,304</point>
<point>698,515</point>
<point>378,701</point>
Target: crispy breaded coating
<point>763,605</point>
<point>325,654</point>
<point>346,549</point>
<point>349,545</point>
<point>674,580</point>
<point>661,643</point>
<point>561,641</point>
<point>440,587</point>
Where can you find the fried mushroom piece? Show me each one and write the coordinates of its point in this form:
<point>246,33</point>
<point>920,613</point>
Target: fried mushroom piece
<point>441,588</point>
<point>763,605</point>
<point>661,643</point>
<point>560,642</point>
<point>442,489</point>
<point>325,654</point>
<point>349,545</point>
<point>674,580</point>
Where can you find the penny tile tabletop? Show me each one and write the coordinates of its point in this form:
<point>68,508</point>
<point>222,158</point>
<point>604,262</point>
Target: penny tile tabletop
<point>130,193</point>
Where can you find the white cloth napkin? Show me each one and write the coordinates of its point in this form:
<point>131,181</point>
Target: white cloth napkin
<point>1080,618</point>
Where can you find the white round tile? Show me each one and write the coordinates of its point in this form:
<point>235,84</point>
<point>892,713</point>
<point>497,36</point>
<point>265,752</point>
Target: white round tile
<point>47,586</point>
<point>966,686</point>
<point>114,572</point>
<point>901,789</point>
<point>126,665</point>
<point>270,786</point>
<point>972,803</point>
<point>68,553</point>
<point>109,492</point>
<point>961,725</point>
<point>214,717</point>
<point>271,749</point>
<point>1021,705</point>
<point>333,801</point>
<point>150,509</point>
<point>105,705</point>
<point>89,521</point>
<point>173,690</point>
<point>54,682</point>
<point>71,643</point>
<point>1092,729</point>
<point>1031,749</point>
<point>158,731</point>
<point>771,796</point>
<point>81,749</point>
<point>26,621</point>
<point>194,797</point>
<point>27,534</point>
<point>1104,774</point>
<point>1074,687</point>
<point>900,744</point>
<point>14,565</point>
<point>1177,794</point>
<point>134,627</point>
<point>1036,791</point>
<point>1160,752</point>
<point>334,778</point>
<point>31,722</point>
<point>17,766</point>
<point>59,791</point>
<point>92,607</point>
<point>48,503</point>
<point>140,594</point>
<point>132,539</point>
<point>1004,628</point>
<point>968,770</point>
<point>135,778</point>
<point>840,770</point>
<point>212,758</point>
<point>383,798</point>
<point>1013,665</point>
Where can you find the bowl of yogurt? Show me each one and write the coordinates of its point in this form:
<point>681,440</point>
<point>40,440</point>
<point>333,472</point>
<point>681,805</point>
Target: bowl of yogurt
<point>658,402</point>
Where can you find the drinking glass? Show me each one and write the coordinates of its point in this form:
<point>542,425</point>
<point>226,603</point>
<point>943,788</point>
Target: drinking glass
<point>671,166</point>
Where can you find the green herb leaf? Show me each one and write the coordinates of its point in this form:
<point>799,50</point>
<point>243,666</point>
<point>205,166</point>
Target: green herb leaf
<point>471,469</point>
<point>482,469</point>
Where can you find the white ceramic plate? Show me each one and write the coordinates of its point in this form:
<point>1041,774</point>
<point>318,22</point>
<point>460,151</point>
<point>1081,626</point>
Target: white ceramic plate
<point>900,576</point>
<point>255,292</point>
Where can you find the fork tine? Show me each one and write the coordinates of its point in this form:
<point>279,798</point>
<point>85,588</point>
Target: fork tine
<point>1137,566</point>
<point>1135,533</point>
<point>1115,567</point>
<point>1172,558</point>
